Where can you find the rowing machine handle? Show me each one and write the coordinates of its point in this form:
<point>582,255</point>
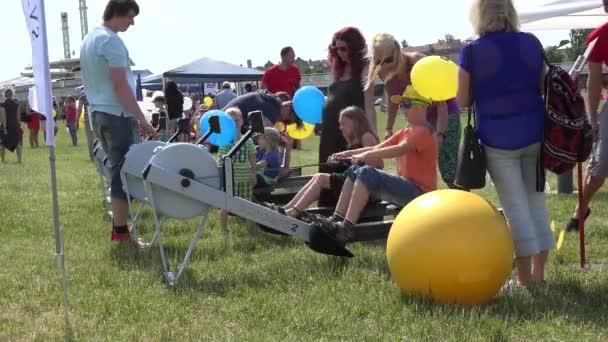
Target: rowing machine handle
<point>256,121</point>
<point>214,127</point>
<point>183,127</point>
<point>150,137</point>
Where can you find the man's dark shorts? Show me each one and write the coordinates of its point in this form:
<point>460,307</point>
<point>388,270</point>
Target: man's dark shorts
<point>116,135</point>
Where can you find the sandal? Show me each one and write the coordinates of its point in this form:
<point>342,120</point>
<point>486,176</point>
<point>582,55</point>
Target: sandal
<point>274,207</point>
<point>573,223</point>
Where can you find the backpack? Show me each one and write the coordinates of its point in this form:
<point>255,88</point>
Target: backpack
<point>568,137</point>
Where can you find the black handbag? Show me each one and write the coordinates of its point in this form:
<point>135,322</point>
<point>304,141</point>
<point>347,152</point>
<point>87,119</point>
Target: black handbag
<point>471,168</point>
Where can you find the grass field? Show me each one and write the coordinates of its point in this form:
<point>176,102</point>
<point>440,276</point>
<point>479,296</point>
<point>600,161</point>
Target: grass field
<point>252,286</point>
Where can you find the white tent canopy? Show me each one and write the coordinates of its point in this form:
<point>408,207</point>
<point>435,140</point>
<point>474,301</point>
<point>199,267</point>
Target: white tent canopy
<point>560,14</point>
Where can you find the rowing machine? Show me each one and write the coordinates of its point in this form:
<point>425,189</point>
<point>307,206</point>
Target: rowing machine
<point>183,181</point>
<point>136,159</point>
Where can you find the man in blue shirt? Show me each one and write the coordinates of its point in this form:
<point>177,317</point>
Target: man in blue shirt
<point>110,89</point>
<point>224,97</point>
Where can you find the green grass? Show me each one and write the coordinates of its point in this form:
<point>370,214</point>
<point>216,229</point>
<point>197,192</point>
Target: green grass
<point>252,286</point>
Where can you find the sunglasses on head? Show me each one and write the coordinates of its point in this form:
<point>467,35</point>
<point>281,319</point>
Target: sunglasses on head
<point>387,60</point>
<point>407,104</point>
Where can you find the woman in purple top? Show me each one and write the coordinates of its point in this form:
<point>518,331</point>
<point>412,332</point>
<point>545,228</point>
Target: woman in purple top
<point>506,71</point>
<point>393,66</point>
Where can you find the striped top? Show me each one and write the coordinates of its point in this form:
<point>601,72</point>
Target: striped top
<point>241,167</point>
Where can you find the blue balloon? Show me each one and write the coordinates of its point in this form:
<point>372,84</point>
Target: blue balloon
<point>227,127</point>
<point>308,104</point>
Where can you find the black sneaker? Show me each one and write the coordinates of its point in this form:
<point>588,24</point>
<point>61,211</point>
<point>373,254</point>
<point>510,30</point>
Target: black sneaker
<point>573,223</point>
<point>336,230</point>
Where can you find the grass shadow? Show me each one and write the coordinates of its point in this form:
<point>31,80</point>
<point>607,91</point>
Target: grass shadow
<point>566,297</point>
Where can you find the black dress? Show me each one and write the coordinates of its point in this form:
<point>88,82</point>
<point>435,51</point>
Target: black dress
<point>175,106</point>
<point>341,94</point>
<point>13,135</point>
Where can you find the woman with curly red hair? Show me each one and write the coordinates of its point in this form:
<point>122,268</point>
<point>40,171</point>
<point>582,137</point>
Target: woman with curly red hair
<point>348,63</point>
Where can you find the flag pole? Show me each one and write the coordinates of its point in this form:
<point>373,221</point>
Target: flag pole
<point>59,257</point>
<point>34,13</point>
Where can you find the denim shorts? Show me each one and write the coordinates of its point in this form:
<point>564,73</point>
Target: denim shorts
<point>116,135</point>
<point>598,164</point>
<point>383,185</point>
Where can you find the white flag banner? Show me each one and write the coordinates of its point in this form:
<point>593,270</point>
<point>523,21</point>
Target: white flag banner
<point>33,10</point>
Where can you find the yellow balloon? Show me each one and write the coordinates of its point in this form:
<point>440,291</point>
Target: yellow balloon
<point>195,127</point>
<point>300,133</point>
<point>81,120</point>
<point>450,246</point>
<point>208,101</point>
<point>435,78</point>
<point>280,126</point>
<point>54,113</point>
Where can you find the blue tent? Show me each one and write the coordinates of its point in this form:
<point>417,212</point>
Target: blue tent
<point>204,70</point>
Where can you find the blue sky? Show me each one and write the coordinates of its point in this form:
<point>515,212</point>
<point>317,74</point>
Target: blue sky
<point>168,34</point>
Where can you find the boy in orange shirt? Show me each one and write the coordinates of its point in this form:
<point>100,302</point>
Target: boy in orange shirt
<point>416,151</point>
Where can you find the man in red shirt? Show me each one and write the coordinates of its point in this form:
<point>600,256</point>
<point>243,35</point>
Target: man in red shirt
<point>598,164</point>
<point>284,76</point>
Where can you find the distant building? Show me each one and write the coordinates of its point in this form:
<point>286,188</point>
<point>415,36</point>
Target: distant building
<point>305,67</point>
<point>449,49</point>
<point>65,77</point>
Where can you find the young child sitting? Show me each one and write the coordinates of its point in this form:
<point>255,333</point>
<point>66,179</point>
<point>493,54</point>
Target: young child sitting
<point>269,158</point>
<point>416,151</point>
<point>243,166</point>
<point>357,133</point>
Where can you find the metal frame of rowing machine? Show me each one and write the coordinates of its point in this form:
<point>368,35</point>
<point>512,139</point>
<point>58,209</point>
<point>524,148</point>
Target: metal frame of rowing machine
<point>101,161</point>
<point>316,238</point>
<point>124,173</point>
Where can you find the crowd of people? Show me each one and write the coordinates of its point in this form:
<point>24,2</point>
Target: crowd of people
<point>16,116</point>
<point>501,74</point>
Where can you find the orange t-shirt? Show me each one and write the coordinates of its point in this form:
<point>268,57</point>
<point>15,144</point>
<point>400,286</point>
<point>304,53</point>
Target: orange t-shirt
<point>420,165</point>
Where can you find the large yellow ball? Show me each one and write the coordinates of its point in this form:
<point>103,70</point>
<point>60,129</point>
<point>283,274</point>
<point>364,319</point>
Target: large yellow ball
<point>435,78</point>
<point>450,246</point>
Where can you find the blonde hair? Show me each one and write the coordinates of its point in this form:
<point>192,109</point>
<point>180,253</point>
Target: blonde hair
<point>382,44</point>
<point>357,115</point>
<point>234,111</point>
<point>493,16</point>
<point>272,136</point>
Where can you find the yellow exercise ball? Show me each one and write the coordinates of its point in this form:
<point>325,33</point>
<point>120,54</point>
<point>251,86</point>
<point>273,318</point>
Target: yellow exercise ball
<point>451,246</point>
<point>300,133</point>
<point>435,78</point>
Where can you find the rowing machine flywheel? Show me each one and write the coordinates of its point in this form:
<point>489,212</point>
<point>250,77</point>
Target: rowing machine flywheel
<point>187,162</point>
<point>136,160</point>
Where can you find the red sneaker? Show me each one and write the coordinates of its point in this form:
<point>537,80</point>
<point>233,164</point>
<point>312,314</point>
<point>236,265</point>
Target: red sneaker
<point>126,237</point>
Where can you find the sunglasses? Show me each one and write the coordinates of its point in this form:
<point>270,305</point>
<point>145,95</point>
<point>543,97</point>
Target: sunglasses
<point>409,103</point>
<point>388,60</point>
<point>341,48</point>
